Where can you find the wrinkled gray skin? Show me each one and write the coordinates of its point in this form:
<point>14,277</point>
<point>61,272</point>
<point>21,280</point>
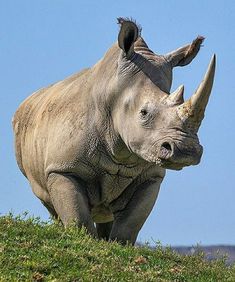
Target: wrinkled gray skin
<point>95,146</point>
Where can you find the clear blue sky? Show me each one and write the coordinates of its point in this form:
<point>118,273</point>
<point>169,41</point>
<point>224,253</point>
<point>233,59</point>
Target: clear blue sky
<point>42,42</point>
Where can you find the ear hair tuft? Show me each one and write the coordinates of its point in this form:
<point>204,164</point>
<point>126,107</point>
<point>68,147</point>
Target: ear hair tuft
<point>121,20</point>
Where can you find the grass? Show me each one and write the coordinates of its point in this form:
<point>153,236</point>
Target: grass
<point>31,250</point>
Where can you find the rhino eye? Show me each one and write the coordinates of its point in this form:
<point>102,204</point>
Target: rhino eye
<point>147,115</point>
<point>143,112</point>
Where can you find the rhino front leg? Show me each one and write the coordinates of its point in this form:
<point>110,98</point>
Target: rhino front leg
<point>128,222</point>
<point>69,201</point>
<point>104,229</point>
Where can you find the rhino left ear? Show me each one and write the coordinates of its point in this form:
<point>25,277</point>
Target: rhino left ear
<point>184,55</point>
<point>128,34</point>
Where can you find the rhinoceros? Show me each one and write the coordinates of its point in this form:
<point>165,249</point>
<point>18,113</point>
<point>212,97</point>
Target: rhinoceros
<point>95,146</point>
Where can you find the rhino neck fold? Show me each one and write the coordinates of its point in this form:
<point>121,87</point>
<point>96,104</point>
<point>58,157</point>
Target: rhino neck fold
<point>117,149</point>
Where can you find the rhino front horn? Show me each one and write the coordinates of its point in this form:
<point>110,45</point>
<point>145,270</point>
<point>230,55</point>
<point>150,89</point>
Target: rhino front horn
<point>192,111</point>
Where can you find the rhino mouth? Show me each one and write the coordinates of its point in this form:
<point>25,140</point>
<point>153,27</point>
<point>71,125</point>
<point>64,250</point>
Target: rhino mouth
<point>168,165</point>
<point>175,165</point>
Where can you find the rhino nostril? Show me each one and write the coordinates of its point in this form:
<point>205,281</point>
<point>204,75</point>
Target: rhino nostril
<point>167,146</point>
<point>166,151</point>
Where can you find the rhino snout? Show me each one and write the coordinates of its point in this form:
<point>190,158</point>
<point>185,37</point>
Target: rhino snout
<point>175,156</point>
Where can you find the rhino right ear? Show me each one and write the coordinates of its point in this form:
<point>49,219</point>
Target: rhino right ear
<point>128,34</point>
<point>184,55</point>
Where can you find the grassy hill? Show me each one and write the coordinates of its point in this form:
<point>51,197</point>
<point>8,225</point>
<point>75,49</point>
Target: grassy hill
<point>34,251</point>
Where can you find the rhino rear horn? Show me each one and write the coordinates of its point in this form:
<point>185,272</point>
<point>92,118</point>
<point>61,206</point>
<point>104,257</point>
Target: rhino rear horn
<point>177,97</point>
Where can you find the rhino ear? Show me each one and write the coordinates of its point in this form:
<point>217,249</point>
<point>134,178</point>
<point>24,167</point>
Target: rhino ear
<point>128,34</point>
<point>184,55</point>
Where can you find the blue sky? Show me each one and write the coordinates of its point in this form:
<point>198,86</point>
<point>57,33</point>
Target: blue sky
<point>42,42</point>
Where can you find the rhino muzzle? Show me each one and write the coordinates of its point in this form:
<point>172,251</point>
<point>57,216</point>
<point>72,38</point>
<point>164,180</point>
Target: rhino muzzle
<point>174,155</point>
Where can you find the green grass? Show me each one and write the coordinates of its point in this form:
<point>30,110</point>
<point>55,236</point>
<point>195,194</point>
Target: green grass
<point>31,250</point>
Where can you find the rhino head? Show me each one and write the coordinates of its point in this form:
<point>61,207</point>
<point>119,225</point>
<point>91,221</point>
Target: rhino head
<point>157,126</point>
